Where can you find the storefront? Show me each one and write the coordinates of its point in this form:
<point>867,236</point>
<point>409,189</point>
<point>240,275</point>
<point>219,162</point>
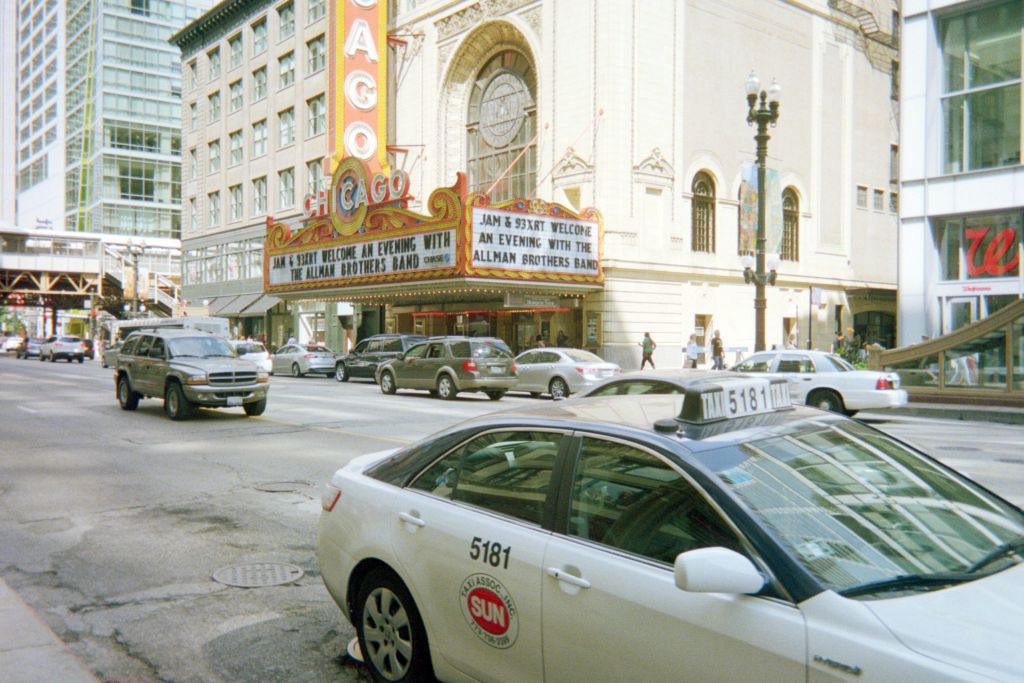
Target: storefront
<point>520,270</point>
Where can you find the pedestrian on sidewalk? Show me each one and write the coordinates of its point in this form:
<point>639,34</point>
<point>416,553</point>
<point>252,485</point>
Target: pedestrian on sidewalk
<point>692,352</point>
<point>718,351</point>
<point>648,346</point>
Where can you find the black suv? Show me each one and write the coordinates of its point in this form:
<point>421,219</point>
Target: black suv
<point>363,360</point>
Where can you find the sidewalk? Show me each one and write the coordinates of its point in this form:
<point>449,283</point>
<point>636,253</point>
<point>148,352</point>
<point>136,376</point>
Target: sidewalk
<point>953,411</point>
<point>29,651</point>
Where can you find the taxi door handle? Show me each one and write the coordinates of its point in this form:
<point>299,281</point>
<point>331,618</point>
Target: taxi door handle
<point>411,519</point>
<point>560,575</point>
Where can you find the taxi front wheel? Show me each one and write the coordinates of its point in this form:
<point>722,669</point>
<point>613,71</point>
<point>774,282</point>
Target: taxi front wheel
<point>391,634</point>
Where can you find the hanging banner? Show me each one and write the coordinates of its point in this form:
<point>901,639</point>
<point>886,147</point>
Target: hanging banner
<point>748,210</point>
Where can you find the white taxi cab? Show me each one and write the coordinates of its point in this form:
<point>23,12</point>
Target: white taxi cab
<point>720,534</point>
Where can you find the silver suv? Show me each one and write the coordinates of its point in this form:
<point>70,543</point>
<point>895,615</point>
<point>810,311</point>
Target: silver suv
<point>188,369</point>
<point>67,347</point>
<point>447,365</point>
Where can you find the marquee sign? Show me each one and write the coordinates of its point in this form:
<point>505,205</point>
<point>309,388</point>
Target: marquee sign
<point>361,232</point>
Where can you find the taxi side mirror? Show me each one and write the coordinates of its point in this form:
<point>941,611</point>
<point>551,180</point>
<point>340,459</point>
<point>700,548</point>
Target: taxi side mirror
<point>716,570</point>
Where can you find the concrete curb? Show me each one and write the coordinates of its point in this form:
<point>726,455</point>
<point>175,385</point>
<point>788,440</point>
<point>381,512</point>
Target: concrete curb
<point>30,651</point>
<point>942,411</point>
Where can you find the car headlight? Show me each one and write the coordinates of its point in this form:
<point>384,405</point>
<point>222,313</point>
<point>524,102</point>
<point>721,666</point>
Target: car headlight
<point>262,376</point>
<point>197,379</point>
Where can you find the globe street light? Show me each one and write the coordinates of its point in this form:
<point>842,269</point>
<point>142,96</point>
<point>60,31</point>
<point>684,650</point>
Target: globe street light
<point>762,109</point>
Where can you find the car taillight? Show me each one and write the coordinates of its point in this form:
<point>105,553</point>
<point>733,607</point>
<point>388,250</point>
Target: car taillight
<point>56,343</point>
<point>310,355</point>
<point>329,497</point>
<point>515,368</point>
<point>883,383</point>
<point>582,371</point>
<point>469,365</point>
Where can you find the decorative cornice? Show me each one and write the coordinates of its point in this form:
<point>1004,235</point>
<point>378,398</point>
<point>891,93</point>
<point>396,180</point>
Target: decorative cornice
<point>456,23</point>
<point>656,166</point>
<point>572,164</point>
<point>228,12</point>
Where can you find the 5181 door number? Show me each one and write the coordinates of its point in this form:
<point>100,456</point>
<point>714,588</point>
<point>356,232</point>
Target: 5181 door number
<point>489,552</point>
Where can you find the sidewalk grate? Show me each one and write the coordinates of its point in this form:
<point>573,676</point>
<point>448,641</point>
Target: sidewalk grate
<point>258,575</point>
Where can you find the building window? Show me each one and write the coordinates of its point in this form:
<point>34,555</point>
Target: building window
<point>286,70</point>
<point>235,148</point>
<point>213,199</point>
<point>979,246</point>
<point>259,196</point>
<point>193,112</point>
<point>862,197</point>
<point>214,57</point>
<point>235,51</point>
<point>136,179</point>
<point>703,214</point>
<point>317,120</point>
<point>981,52</point>
<point>314,176</point>
<point>286,21</point>
<point>193,219</point>
<point>879,200</point>
<point>286,127</point>
<point>501,126</point>
<point>316,55</point>
<point>316,10</point>
<point>193,75</point>
<point>213,104</point>
<point>259,37</point>
<point>894,80</point>
<point>236,202</point>
<point>193,164</point>
<point>285,188</point>
<point>894,165</point>
<point>237,98</point>
<point>213,150</point>
<point>894,202</point>
<point>259,138</point>
<point>790,226</point>
<point>259,84</point>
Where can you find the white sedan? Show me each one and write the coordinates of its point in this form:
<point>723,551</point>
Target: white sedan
<point>715,535</point>
<point>826,381</point>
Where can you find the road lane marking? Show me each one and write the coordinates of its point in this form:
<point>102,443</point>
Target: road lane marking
<point>27,409</point>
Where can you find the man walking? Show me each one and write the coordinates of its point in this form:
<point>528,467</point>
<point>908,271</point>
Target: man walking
<point>692,352</point>
<point>718,351</point>
<point>648,346</point>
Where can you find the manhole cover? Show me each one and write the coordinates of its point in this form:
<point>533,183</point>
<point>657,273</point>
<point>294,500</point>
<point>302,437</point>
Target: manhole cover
<point>281,486</point>
<point>258,575</point>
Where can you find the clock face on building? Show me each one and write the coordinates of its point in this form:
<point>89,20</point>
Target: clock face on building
<point>502,109</point>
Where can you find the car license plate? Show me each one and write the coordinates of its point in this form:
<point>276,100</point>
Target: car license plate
<point>497,370</point>
<point>234,400</point>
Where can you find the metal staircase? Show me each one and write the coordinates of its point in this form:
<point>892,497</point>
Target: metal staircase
<point>866,21</point>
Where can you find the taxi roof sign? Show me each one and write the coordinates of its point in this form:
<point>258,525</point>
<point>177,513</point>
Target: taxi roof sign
<point>713,401</point>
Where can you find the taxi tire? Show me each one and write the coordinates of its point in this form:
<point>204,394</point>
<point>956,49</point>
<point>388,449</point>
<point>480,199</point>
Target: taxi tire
<point>825,399</point>
<point>558,388</point>
<point>382,589</point>
<point>128,399</point>
<point>296,372</point>
<point>176,405</point>
<point>387,383</point>
<point>446,388</point>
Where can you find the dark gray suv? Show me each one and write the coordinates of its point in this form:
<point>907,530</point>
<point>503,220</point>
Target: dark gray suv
<point>445,366</point>
<point>362,361</point>
<point>188,369</point>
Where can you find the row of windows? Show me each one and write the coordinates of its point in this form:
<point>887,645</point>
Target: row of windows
<point>316,121</point>
<point>30,89</point>
<point>259,32</point>
<point>36,65</point>
<point>32,15</point>
<point>141,180</point>
<point>238,260</point>
<point>141,137</point>
<point>37,145</point>
<point>28,47</point>
<point>259,194</point>
<point>139,57</point>
<point>878,199</point>
<point>33,174</point>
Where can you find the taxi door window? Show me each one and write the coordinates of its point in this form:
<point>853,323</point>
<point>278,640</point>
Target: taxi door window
<point>632,500</point>
<point>505,472</point>
<point>549,357</point>
<point>756,364</point>
<point>528,358</point>
<point>795,364</point>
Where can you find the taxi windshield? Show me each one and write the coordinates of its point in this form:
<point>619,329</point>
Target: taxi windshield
<point>859,509</point>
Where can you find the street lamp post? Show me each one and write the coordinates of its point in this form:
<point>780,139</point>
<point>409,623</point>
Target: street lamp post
<point>135,250</point>
<point>762,109</point>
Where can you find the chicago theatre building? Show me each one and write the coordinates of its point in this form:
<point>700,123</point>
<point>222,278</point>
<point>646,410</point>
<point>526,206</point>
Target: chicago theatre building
<point>576,169</point>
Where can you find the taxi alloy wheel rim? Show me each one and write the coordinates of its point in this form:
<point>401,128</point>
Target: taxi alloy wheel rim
<point>558,388</point>
<point>388,634</point>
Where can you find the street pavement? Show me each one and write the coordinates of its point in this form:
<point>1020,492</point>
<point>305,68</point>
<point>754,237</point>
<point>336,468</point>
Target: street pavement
<point>192,471</point>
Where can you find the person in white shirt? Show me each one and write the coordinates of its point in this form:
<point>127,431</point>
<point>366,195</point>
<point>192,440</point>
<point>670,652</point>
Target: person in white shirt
<point>692,352</point>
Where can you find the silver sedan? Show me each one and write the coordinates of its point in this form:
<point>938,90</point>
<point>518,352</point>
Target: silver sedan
<point>561,371</point>
<point>302,359</point>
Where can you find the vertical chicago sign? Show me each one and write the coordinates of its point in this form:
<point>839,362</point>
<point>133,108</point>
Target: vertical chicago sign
<point>357,109</point>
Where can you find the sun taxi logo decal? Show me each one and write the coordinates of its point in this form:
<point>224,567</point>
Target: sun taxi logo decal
<point>489,610</point>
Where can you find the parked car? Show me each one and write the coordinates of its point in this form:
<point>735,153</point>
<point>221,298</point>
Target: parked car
<point>88,349</point>
<point>719,535</point>
<point>109,356</point>
<point>254,352</point>
<point>304,359</point>
<point>560,372</point>
<point>189,370</point>
<point>445,366</point>
<point>362,361</point>
<point>67,347</point>
<point>30,348</point>
<point>826,381</point>
<point>11,344</point>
